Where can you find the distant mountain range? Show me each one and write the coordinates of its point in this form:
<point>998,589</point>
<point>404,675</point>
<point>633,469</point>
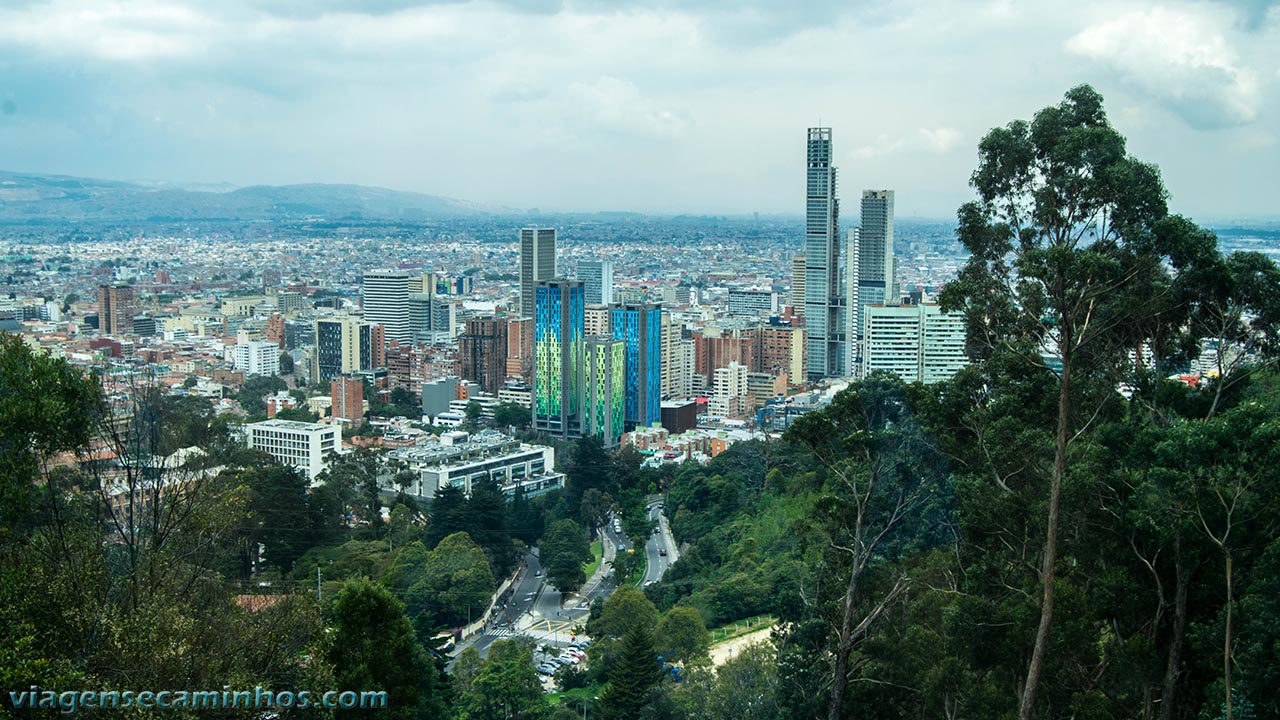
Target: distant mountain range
<point>40,199</point>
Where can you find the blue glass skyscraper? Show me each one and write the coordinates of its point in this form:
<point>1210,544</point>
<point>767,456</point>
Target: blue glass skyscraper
<point>557,358</point>
<point>640,326</point>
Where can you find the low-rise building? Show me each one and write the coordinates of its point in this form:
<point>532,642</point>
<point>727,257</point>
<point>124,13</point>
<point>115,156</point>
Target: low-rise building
<point>305,446</point>
<point>460,459</point>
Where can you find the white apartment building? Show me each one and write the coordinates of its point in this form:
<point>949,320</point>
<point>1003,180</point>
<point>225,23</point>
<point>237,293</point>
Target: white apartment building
<point>305,446</point>
<point>257,357</point>
<point>730,390</point>
<point>918,343</point>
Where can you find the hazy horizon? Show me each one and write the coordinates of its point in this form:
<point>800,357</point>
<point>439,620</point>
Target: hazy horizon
<point>668,107</point>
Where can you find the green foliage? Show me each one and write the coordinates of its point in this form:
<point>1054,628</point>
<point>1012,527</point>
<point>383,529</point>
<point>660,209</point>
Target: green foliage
<point>445,586</point>
<point>373,648</point>
<point>682,635</point>
<point>254,389</point>
<point>511,415</point>
<point>563,551</point>
<point>506,686</point>
<point>635,672</point>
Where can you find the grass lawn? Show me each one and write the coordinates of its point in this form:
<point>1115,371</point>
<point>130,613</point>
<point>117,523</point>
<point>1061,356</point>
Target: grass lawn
<point>577,695</point>
<point>597,553</point>
<point>741,627</point>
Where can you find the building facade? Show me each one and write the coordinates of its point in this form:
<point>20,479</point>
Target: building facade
<point>824,287</point>
<point>597,281</point>
<point>918,343</point>
<point>875,257</point>
<point>482,349</point>
<point>537,264</point>
<point>116,308</point>
<point>386,301</point>
<point>304,446</point>
<point>605,399</point>
<point>346,396</point>
<point>257,357</point>
<point>558,355</point>
<point>640,326</point>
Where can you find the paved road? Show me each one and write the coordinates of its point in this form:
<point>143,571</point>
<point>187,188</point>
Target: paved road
<point>658,550</point>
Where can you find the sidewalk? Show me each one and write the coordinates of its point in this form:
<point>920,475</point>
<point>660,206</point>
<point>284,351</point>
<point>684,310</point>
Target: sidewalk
<point>610,553</point>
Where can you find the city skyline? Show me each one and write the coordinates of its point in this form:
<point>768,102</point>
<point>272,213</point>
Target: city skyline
<point>247,92</point>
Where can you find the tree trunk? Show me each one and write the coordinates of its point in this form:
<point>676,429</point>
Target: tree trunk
<point>1036,665</point>
<point>845,646</point>
<point>1173,666</point>
<point>1226,642</point>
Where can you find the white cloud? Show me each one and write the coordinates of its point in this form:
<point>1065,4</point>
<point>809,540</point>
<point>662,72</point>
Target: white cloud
<point>935,141</point>
<point>940,140</point>
<point>1179,56</point>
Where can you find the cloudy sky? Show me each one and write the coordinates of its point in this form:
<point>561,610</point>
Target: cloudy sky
<point>668,106</point>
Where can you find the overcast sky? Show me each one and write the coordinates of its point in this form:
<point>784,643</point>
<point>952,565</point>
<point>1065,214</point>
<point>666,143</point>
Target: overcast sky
<point>669,106</point>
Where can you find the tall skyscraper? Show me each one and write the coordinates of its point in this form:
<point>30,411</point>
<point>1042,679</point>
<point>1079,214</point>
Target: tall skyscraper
<point>605,402</point>
<point>875,256</point>
<point>558,355</point>
<point>115,309</point>
<point>386,301</point>
<point>482,349</point>
<point>824,310</point>
<point>537,264</point>
<point>797,285</point>
<point>597,281</point>
<point>640,326</point>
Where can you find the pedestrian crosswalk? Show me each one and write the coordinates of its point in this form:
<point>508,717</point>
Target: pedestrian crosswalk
<point>500,632</point>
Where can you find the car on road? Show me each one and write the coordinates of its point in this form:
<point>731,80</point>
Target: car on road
<point>538,574</point>
<point>662,552</point>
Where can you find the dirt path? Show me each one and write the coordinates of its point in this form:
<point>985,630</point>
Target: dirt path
<point>727,649</point>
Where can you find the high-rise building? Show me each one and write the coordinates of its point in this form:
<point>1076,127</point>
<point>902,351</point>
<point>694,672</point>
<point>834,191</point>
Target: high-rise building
<point>597,281</point>
<point>596,319</point>
<point>386,301</point>
<point>432,319</point>
<point>753,302</point>
<point>672,330</point>
<point>115,309</point>
<point>520,348</point>
<point>346,396</point>
<point>372,346</point>
<point>875,255</point>
<point>918,343</point>
<point>558,355</point>
<point>797,285</point>
<point>337,347</point>
<point>824,288</point>
<point>729,397</point>
<point>537,264</point>
<point>781,350</point>
<point>604,412</point>
<point>483,352</point>
<point>640,325</point>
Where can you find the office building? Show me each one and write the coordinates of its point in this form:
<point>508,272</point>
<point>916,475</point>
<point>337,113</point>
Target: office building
<point>337,347</point>
<point>373,347</point>
<point>386,301</point>
<point>116,309</point>
<point>640,326</point>
<point>824,286</point>
<point>482,349</point>
<point>597,281</point>
<point>257,357</point>
<point>346,396</point>
<point>753,302</point>
<point>781,350</point>
<point>432,319</point>
<point>460,460</point>
<point>558,355</point>
<point>605,404</point>
<point>305,446</point>
<point>918,343</point>
<point>537,264</point>
<point>520,348</point>
<point>797,285</point>
<point>876,284</point>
